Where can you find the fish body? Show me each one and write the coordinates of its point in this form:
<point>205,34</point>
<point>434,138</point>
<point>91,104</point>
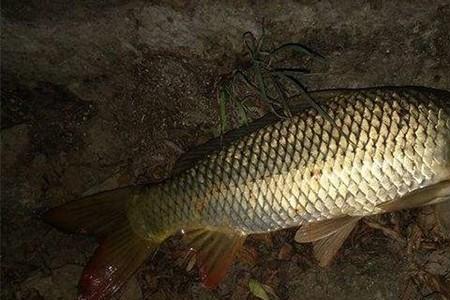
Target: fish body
<point>388,149</point>
<point>388,142</point>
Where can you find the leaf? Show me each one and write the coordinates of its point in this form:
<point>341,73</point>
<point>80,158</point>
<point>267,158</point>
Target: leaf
<point>257,289</point>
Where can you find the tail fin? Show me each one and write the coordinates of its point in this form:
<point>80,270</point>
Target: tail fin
<point>121,251</point>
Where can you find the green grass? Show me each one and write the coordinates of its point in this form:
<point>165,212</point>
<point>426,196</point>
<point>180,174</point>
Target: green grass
<point>265,82</point>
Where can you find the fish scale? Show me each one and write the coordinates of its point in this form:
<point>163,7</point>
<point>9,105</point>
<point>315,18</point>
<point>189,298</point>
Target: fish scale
<point>387,142</point>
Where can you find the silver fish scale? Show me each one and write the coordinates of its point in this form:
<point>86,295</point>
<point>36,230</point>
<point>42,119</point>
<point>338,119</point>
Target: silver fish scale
<point>387,142</point>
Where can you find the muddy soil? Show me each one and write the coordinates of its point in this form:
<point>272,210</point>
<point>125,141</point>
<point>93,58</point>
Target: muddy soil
<point>99,94</point>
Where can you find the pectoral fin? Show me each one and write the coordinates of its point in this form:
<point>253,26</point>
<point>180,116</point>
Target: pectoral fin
<point>312,232</point>
<point>433,194</point>
<point>328,236</point>
<point>326,249</point>
<point>216,249</point>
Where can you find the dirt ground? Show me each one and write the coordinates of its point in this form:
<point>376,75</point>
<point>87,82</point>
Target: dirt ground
<point>101,94</point>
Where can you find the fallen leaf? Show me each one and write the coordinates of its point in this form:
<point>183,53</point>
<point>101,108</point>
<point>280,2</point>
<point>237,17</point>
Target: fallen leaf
<point>285,252</point>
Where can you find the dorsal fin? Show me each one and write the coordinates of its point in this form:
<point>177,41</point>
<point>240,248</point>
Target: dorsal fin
<point>188,159</point>
<point>297,104</point>
<point>216,249</point>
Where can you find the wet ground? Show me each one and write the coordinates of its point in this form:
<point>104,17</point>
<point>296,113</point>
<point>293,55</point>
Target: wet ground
<point>97,95</point>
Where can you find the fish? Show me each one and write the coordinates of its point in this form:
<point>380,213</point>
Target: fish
<point>387,149</point>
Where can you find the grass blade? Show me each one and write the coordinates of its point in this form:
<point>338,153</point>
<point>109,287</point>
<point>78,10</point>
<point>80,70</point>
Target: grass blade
<point>260,84</point>
<point>299,48</point>
<point>317,106</point>
<point>313,102</point>
<point>251,43</point>
<point>223,99</point>
<point>293,72</point>
<point>242,112</point>
<point>288,71</point>
<point>244,78</point>
<point>282,96</point>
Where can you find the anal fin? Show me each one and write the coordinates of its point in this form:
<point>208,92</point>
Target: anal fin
<point>113,263</point>
<point>216,249</point>
<point>328,236</point>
